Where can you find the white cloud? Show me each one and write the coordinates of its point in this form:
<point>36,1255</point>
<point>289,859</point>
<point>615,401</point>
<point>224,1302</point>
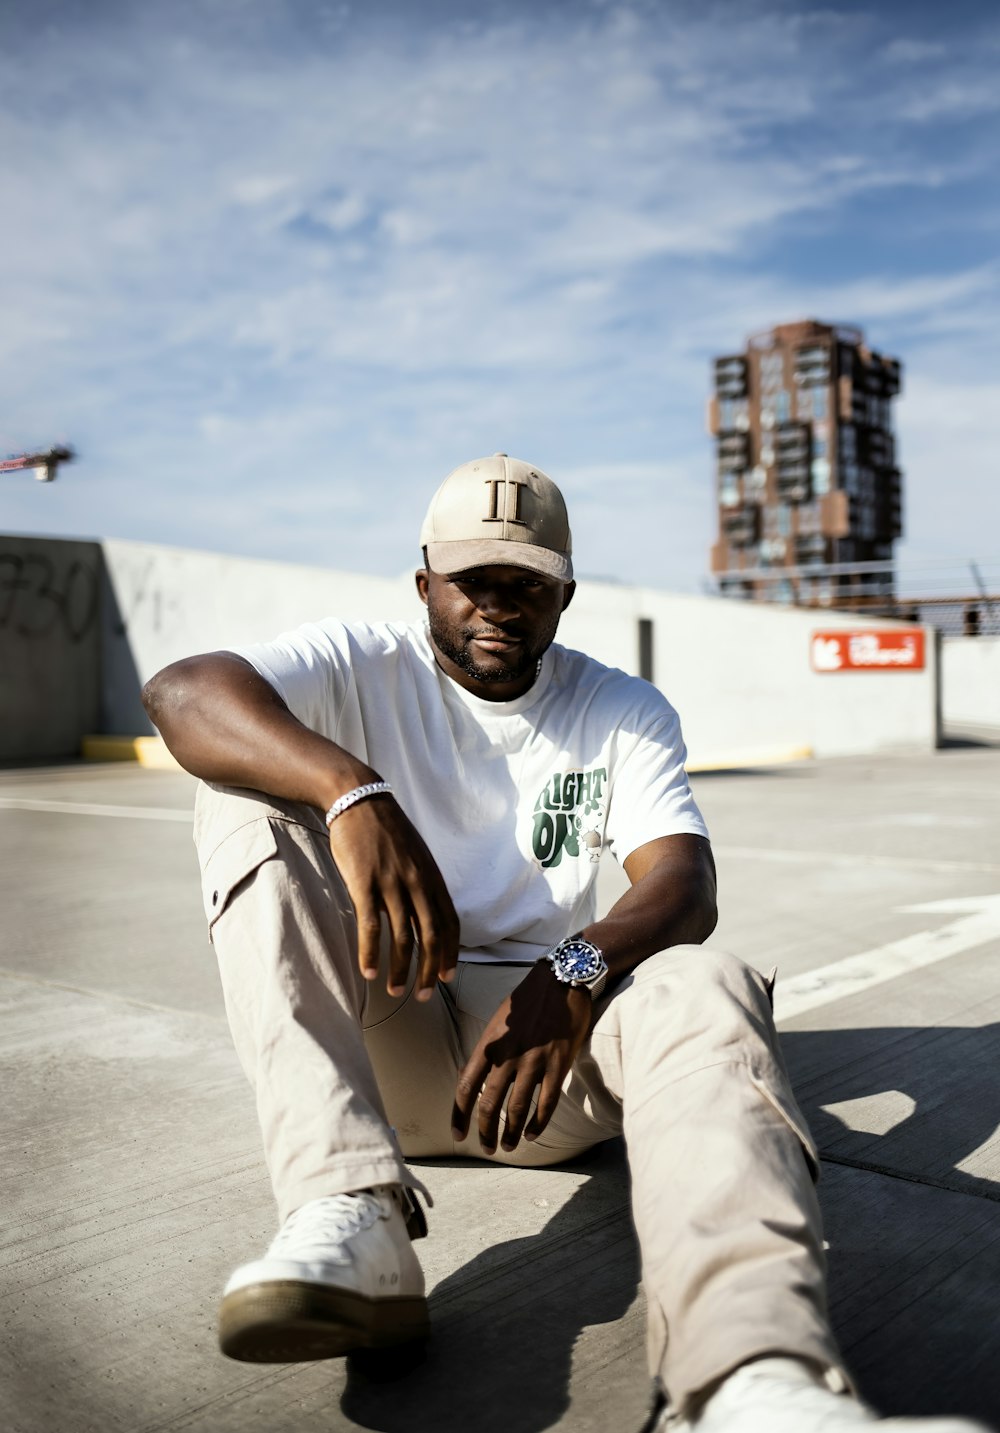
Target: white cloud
<point>371,251</point>
<point>914,52</point>
<point>959,98</point>
<point>253,189</point>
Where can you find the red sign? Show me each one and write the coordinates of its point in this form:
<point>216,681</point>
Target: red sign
<point>874,650</point>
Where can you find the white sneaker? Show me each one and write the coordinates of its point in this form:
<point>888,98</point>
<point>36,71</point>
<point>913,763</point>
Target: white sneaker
<point>784,1395</point>
<point>340,1275</point>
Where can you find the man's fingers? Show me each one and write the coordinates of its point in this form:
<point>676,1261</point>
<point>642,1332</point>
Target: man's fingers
<point>369,927</point>
<point>491,1103</point>
<point>518,1108</point>
<point>429,945</point>
<point>467,1088</point>
<point>436,929</point>
<point>548,1098</point>
<point>401,943</point>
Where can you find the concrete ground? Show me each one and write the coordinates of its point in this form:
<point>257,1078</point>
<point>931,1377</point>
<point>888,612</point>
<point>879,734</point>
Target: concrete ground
<point>133,1183</point>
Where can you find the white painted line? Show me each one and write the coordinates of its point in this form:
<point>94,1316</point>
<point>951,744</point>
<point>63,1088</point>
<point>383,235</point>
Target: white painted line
<point>109,995</point>
<point>978,922</point>
<point>87,808</point>
<point>838,858</point>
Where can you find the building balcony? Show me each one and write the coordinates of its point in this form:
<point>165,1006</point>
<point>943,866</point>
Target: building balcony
<point>741,526</point>
<point>731,377</point>
<point>734,451</point>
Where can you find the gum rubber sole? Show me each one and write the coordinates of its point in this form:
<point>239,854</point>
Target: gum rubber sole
<point>290,1322</point>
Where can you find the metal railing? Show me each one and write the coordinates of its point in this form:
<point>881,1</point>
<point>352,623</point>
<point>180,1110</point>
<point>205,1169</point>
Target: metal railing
<point>957,597</point>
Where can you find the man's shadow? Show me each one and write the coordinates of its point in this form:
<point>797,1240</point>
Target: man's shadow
<point>914,1262</point>
<point>912,1277</point>
<point>938,1089</point>
<point>505,1324</point>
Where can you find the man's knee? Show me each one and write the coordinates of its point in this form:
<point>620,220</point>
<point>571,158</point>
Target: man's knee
<point>706,965</point>
<point>703,976</point>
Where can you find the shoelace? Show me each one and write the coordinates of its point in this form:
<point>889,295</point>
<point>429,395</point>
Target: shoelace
<point>325,1222</point>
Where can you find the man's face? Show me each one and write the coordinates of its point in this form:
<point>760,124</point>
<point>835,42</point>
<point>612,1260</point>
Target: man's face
<point>490,625</point>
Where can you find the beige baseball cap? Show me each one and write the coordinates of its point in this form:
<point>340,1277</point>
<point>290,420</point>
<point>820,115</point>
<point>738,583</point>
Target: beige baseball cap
<point>498,511</point>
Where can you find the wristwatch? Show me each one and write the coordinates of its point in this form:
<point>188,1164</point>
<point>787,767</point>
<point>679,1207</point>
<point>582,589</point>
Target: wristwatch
<point>576,961</point>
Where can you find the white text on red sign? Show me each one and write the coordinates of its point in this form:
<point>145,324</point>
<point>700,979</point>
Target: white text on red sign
<point>872,650</point>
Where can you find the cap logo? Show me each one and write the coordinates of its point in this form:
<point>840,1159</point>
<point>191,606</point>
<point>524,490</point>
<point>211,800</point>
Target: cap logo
<point>512,501</point>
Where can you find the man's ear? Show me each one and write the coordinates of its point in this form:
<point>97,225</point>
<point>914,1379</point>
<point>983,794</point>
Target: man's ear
<point>568,590</point>
<point>420,577</point>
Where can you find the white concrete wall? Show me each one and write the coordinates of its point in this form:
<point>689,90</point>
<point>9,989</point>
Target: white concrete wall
<point>970,676</point>
<point>739,673</point>
<point>173,602</point>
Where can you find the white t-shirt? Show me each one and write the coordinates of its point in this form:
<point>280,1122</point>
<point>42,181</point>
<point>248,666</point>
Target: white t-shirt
<point>516,800</point>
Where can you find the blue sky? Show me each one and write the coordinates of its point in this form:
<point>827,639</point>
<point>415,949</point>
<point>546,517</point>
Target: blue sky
<point>274,267</point>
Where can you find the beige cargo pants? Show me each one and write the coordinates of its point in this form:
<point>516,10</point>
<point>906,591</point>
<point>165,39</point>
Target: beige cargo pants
<point>683,1059</point>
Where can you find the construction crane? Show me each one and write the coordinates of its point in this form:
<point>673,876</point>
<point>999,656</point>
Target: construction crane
<point>46,465</point>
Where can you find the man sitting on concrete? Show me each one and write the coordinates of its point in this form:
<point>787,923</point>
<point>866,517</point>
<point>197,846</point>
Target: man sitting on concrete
<point>420,972</point>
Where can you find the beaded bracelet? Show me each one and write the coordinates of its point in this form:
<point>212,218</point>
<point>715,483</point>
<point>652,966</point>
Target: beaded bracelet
<point>360,793</point>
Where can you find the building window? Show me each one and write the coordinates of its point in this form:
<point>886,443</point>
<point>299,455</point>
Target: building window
<point>820,475</point>
<point>819,403</point>
<point>772,367</point>
<point>809,518</point>
<point>729,490</point>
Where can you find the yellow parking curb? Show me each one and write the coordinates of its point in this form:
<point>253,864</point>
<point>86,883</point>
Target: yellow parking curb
<point>149,751</point>
<point>754,756</point>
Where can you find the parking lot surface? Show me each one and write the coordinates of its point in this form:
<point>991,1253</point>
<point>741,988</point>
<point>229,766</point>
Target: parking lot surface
<point>133,1182</point>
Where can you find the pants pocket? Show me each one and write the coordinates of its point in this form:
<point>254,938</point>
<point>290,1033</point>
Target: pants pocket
<point>232,862</point>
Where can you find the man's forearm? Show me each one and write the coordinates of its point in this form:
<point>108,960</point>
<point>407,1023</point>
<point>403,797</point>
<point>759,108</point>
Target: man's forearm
<point>224,723</point>
<point>673,902</point>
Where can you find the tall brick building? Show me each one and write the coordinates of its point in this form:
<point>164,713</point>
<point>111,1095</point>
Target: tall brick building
<point>805,465</point>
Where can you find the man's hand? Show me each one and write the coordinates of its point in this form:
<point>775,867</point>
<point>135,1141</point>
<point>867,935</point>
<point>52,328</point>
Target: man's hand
<point>530,1043</point>
<point>386,866</point>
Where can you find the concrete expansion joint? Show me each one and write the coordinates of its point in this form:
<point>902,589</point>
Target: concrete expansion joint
<point>870,1167</point>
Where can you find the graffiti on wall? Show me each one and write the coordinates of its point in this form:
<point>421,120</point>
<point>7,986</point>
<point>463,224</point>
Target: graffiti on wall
<point>143,596</point>
<point>40,595</point>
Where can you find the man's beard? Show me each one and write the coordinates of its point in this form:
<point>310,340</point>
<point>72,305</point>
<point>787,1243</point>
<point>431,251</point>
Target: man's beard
<point>453,644</point>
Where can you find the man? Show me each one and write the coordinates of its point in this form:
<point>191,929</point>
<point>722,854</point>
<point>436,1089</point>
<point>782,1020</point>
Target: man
<point>421,972</point>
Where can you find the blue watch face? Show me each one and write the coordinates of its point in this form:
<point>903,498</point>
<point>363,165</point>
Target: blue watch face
<point>580,962</point>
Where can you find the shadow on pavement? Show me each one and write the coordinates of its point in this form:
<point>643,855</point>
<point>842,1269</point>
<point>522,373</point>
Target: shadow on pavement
<point>922,1099</point>
<point>506,1325</point>
<point>914,1262</point>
